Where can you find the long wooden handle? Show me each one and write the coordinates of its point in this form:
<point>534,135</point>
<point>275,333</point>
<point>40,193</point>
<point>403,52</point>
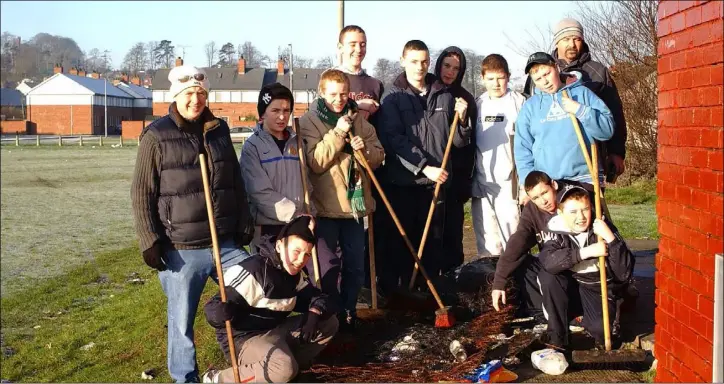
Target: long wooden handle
<point>592,164</point>
<point>581,141</point>
<point>363,161</point>
<point>431,211</point>
<point>371,249</point>
<point>217,261</point>
<point>305,191</point>
<point>601,259</point>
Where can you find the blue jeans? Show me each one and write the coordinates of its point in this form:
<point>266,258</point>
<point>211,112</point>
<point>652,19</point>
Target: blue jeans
<point>183,282</point>
<point>349,234</point>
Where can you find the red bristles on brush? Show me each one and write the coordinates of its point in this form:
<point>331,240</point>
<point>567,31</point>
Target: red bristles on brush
<point>444,318</point>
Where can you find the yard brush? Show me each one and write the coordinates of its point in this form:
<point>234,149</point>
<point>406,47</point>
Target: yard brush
<point>608,359</point>
<point>443,315</point>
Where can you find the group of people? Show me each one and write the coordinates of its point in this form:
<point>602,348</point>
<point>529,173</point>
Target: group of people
<point>306,187</point>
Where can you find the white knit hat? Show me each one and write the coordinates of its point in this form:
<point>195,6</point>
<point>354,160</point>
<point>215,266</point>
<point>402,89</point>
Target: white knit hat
<point>187,76</point>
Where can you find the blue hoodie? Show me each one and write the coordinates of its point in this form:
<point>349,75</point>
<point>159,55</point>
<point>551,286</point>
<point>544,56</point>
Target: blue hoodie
<point>546,141</point>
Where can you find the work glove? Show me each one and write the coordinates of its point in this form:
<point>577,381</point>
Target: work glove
<point>155,257</point>
<point>309,327</point>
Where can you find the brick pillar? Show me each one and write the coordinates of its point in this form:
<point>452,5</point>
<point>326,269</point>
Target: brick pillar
<point>690,186</point>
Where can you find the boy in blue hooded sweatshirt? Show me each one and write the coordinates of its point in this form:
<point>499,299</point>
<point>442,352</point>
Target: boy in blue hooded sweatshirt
<point>545,139</point>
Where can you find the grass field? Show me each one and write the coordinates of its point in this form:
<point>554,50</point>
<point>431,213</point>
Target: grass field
<point>69,257</point>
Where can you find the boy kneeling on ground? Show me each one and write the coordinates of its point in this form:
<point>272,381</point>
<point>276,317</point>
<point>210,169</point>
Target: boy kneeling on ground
<point>570,280</point>
<point>261,292</point>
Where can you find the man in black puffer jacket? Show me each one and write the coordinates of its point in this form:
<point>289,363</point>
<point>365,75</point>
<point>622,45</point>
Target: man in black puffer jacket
<point>450,68</point>
<point>414,125</point>
<point>169,208</point>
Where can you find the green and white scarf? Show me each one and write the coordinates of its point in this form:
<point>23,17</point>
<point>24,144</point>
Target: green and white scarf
<point>355,193</point>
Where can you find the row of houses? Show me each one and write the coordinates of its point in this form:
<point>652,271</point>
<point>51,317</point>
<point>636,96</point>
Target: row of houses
<point>76,103</point>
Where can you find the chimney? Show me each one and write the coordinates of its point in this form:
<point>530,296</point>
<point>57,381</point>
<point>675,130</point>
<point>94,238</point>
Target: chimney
<point>179,61</point>
<point>241,65</point>
<point>95,75</point>
<point>280,66</point>
<point>124,77</point>
<point>81,72</point>
<point>74,71</point>
<point>57,69</point>
<point>135,80</point>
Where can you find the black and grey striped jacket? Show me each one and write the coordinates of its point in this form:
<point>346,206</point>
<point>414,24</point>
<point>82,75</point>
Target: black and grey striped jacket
<point>261,294</point>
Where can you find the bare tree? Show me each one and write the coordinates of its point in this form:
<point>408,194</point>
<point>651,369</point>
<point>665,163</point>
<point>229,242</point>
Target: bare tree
<point>151,47</point>
<point>324,62</point>
<point>136,59</point>
<point>302,62</point>
<point>210,51</point>
<point>538,40</point>
<point>622,35</point>
<point>385,71</point>
<point>253,56</point>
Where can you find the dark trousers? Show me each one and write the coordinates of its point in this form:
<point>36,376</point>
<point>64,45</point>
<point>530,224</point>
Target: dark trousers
<point>530,299</point>
<point>393,259</point>
<point>341,277</point>
<point>453,233</point>
<point>564,298</point>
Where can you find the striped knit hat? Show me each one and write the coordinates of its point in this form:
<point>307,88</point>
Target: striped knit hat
<point>567,27</point>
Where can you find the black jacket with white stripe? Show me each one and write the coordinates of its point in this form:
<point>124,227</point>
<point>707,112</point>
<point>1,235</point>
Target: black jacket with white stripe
<point>561,251</point>
<point>261,295</point>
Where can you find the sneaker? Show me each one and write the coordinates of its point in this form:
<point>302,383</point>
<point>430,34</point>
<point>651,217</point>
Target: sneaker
<point>210,376</point>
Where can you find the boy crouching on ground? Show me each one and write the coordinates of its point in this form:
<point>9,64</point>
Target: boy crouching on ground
<point>261,292</point>
<point>570,279</point>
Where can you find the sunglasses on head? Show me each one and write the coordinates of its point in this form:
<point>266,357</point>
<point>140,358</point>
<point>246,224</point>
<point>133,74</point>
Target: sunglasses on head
<point>196,76</point>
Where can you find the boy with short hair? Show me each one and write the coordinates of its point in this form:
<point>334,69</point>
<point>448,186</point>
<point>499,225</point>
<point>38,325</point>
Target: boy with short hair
<point>363,88</point>
<point>495,186</point>
<point>270,166</point>
<point>261,292</point>
<point>342,189</point>
<point>570,273</point>
<point>414,125</point>
<point>545,138</point>
<point>516,261</point>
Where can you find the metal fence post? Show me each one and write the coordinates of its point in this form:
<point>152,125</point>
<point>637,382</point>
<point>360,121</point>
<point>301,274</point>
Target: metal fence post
<point>37,140</point>
<point>81,140</point>
<point>100,142</point>
<point>60,141</point>
<point>17,139</point>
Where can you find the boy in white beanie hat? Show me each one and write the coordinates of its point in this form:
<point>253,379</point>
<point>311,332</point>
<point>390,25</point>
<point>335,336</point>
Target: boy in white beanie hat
<point>169,208</point>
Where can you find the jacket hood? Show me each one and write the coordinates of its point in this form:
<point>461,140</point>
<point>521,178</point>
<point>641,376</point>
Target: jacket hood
<point>577,82</point>
<point>463,64</point>
<point>584,57</point>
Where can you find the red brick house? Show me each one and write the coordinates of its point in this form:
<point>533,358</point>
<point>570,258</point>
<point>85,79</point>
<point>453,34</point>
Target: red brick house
<point>690,190</point>
<point>73,104</point>
<point>234,92</point>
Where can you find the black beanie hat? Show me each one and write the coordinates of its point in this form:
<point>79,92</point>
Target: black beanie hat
<point>271,92</point>
<point>298,227</point>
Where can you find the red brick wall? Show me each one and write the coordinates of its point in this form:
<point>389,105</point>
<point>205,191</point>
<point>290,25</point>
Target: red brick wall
<point>690,185</point>
<point>56,119</point>
<point>132,128</point>
<point>13,126</point>
<point>231,110</point>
